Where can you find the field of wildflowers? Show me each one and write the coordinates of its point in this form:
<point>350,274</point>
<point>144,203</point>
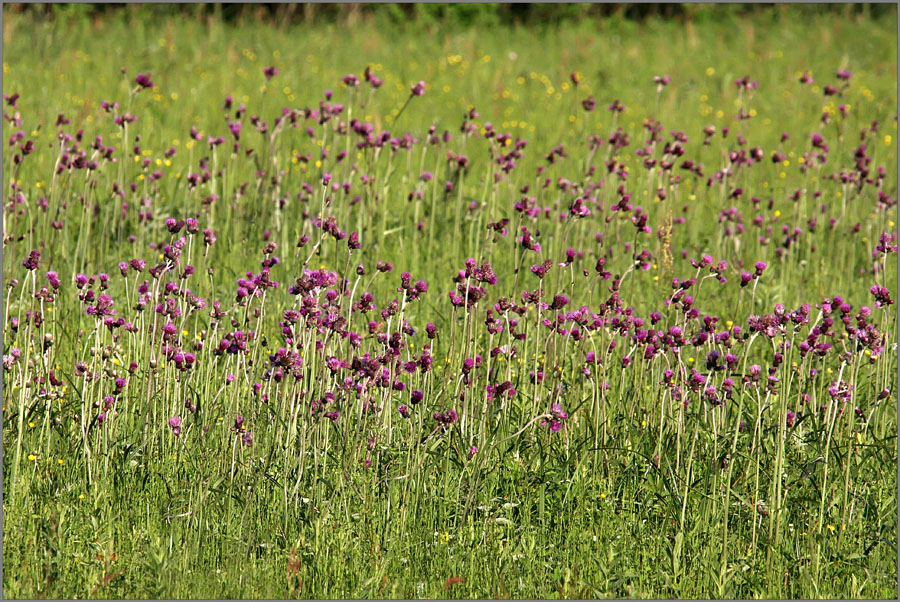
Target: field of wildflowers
<point>599,310</point>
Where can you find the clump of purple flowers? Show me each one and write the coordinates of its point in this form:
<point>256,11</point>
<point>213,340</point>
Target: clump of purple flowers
<point>556,419</point>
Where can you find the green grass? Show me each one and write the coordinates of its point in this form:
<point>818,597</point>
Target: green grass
<point>637,496</point>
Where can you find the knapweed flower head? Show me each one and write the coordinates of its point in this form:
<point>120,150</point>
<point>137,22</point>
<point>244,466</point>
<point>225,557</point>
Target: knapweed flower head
<point>270,72</point>
<point>418,89</point>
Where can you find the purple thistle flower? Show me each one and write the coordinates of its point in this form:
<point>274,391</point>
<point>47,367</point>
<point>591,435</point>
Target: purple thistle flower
<point>143,80</point>
<point>175,423</point>
<point>445,418</point>
<point>790,418</point>
<point>557,418</point>
<point>32,261</point>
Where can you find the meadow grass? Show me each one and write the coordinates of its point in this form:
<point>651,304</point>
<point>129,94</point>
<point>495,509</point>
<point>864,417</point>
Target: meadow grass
<point>603,372</point>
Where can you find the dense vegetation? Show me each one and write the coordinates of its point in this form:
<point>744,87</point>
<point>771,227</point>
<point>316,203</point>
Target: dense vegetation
<point>601,309</point>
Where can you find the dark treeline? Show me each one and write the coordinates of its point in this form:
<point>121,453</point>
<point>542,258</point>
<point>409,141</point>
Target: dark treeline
<point>460,14</point>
